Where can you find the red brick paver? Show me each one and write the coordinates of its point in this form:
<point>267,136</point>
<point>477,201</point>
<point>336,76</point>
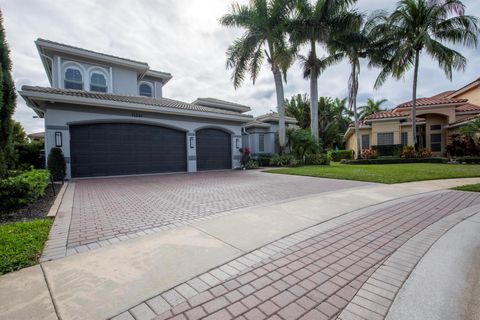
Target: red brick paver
<point>317,278</point>
<point>114,209</point>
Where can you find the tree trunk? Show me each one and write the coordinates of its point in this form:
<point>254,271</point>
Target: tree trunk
<point>314,94</point>
<point>353,104</point>
<point>414,99</point>
<point>277,75</point>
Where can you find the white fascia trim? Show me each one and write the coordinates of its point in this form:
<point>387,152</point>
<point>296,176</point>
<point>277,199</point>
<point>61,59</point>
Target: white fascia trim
<point>164,76</point>
<point>131,106</point>
<point>222,105</point>
<point>43,58</point>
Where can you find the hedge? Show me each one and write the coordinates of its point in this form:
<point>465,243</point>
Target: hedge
<point>317,159</point>
<point>396,160</point>
<point>338,155</point>
<point>22,189</point>
<point>468,159</point>
<point>388,150</point>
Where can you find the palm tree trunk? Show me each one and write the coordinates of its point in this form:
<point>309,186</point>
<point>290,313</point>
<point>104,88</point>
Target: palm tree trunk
<point>277,76</point>
<point>314,95</point>
<point>414,99</point>
<point>353,105</point>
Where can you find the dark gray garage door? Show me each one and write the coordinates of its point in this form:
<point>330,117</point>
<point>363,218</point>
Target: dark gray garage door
<point>214,150</point>
<point>124,148</point>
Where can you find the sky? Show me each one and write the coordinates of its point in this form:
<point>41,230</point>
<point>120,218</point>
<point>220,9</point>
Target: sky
<point>183,37</point>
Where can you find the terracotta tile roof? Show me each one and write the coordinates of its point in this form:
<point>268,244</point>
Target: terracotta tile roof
<point>467,107</point>
<point>444,94</point>
<point>468,119</point>
<point>160,102</point>
<point>273,116</point>
<point>422,102</point>
<point>387,114</point>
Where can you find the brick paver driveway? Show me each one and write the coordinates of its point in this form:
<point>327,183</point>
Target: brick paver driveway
<point>316,273</point>
<point>113,209</point>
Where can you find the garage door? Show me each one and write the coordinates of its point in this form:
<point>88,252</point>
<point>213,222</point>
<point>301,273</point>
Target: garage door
<point>124,148</point>
<point>214,150</point>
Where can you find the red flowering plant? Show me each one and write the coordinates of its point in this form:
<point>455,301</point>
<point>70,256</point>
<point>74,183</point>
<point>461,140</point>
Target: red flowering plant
<point>369,153</point>
<point>245,155</point>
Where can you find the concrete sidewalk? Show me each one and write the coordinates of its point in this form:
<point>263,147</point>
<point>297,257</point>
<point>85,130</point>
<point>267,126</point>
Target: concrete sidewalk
<point>102,283</point>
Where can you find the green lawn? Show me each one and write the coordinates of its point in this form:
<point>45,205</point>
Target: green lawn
<point>469,187</point>
<point>386,173</point>
<point>21,243</point>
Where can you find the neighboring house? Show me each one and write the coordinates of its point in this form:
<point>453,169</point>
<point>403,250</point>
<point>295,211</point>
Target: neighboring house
<point>37,136</point>
<point>437,118</point>
<point>109,117</point>
<point>260,134</point>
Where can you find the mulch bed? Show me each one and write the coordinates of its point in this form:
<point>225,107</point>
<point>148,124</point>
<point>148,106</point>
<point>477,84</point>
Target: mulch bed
<point>35,210</point>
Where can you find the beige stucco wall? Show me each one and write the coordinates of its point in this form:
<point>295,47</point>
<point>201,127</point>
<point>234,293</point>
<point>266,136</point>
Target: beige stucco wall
<point>350,143</point>
<point>448,111</point>
<point>473,95</point>
<point>386,126</point>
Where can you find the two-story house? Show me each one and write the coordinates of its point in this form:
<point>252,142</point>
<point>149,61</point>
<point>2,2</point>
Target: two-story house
<point>438,117</point>
<point>109,117</point>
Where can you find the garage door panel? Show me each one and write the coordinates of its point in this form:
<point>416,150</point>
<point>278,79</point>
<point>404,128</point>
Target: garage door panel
<point>213,150</point>
<point>116,149</point>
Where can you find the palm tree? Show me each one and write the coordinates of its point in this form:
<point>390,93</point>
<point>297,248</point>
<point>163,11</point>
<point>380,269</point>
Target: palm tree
<point>312,23</point>
<point>298,107</point>
<point>418,26</point>
<point>264,22</point>
<point>355,45</point>
<point>370,108</point>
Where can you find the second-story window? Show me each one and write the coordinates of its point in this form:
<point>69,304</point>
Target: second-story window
<point>98,82</point>
<point>145,90</point>
<point>73,79</point>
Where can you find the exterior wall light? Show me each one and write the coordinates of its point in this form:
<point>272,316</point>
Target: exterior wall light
<point>192,142</point>
<point>58,139</point>
<point>237,143</point>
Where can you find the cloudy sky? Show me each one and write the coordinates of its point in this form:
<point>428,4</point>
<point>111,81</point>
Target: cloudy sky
<point>183,37</point>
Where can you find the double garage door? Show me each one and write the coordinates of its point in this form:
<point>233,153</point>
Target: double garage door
<point>125,148</point>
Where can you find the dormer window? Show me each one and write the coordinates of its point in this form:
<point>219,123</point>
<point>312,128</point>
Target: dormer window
<point>145,89</point>
<point>98,83</point>
<point>73,79</point>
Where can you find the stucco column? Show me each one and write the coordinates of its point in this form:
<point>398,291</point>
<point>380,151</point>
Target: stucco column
<point>191,152</point>
<point>236,155</point>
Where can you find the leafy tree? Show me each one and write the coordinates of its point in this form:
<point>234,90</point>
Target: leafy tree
<point>18,133</point>
<point>371,107</point>
<point>312,23</point>
<point>470,129</point>
<point>418,26</point>
<point>298,108</point>
<point>264,22</point>
<point>7,103</point>
<point>301,142</point>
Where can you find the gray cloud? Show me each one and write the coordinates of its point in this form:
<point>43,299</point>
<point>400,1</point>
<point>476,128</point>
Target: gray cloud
<point>184,37</point>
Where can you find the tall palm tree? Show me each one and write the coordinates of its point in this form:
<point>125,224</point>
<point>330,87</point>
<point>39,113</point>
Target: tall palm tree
<point>264,22</point>
<point>312,23</point>
<point>370,108</point>
<point>355,45</point>
<point>418,26</point>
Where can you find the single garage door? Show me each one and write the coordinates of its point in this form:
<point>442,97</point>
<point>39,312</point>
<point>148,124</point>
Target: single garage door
<point>124,148</point>
<point>214,150</point>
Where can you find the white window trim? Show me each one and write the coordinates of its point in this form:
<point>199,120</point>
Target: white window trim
<point>149,84</point>
<point>76,66</point>
<point>101,71</point>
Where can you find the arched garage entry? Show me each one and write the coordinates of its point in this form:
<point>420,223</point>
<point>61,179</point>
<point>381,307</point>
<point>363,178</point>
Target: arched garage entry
<point>105,149</point>
<point>214,150</point>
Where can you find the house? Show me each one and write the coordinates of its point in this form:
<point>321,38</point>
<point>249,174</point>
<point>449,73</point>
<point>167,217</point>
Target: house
<point>438,117</point>
<point>260,134</point>
<point>36,136</point>
<point>109,117</point>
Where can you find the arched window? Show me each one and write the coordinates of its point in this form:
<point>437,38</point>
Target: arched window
<point>98,82</point>
<point>73,79</point>
<point>145,89</point>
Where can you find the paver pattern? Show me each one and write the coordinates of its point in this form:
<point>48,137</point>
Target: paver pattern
<point>116,208</point>
<point>315,278</point>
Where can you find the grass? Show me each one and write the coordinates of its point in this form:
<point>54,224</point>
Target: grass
<point>469,187</point>
<point>21,243</point>
<point>386,173</point>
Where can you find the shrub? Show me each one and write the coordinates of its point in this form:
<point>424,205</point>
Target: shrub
<point>251,164</point>
<point>282,160</point>
<point>369,153</point>
<point>424,153</point>
<point>29,155</point>
<point>394,160</point>
<point>301,142</point>
<point>21,189</point>
<point>390,150</point>
<point>338,155</point>
<point>264,159</point>
<point>468,159</point>
<point>462,146</point>
<point>408,152</point>
<point>245,156</point>
<point>56,164</point>
<point>317,159</point>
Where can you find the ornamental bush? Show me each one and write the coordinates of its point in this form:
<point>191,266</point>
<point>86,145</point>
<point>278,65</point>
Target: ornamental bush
<point>56,164</point>
<point>283,160</point>
<point>22,189</point>
<point>338,155</point>
<point>390,150</point>
<point>369,154</point>
<point>264,159</point>
<point>317,159</point>
<point>393,160</point>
